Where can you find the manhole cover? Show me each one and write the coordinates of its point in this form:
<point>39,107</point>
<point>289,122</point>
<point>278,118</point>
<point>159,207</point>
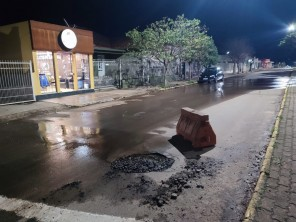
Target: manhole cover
<point>142,163</point>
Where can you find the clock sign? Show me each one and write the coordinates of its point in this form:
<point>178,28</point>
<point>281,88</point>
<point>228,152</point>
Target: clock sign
<point>68,39</point>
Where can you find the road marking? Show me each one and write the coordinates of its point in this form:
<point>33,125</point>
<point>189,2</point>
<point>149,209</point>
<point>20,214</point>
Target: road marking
<point>46,213</point>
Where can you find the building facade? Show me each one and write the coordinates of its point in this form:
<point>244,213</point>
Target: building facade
<point>62,57</point>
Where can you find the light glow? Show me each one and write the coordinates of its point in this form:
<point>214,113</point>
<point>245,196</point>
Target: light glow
<point>291,28</point>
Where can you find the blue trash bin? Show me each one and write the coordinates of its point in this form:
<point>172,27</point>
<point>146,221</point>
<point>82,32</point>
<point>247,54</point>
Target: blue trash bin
<point>43,80</point>
<point>80,84</point>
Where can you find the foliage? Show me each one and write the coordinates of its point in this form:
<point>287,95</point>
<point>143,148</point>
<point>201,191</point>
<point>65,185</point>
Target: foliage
<point>201,50</point>
<point>157,41</point>
<point>170,40</point>
<point>289,40</point>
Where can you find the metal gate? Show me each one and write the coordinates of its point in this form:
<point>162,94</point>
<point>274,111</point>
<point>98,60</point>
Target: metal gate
<point>16,82</point>
<point>106,73</point>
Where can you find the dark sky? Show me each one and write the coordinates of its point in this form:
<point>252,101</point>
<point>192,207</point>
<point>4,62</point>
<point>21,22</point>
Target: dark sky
<point>262,22</point>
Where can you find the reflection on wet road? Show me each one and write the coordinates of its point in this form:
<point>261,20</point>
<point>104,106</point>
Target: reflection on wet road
<point>46,152</point>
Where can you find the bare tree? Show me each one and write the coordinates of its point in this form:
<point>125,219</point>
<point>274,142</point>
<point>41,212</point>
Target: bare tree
<point>239,51</point>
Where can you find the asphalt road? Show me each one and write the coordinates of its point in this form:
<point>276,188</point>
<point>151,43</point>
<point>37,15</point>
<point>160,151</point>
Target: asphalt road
<point>64,159</point>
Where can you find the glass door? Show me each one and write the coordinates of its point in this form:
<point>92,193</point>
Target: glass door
<point>65,71</point>
<point>46,72</point>
<point>82,71</point>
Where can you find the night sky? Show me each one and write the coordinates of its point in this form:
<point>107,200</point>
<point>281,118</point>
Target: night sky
<point>262,22</point>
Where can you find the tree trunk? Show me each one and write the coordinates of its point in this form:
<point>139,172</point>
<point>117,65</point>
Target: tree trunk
<point>120,75</point>
<point>165,74</point>
<point>189,63</point>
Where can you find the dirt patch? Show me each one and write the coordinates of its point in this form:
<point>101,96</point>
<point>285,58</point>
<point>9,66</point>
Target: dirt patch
<point>6,216</point>
<point>65,194</point>
<point>157,195</point>
<point>173,187</point>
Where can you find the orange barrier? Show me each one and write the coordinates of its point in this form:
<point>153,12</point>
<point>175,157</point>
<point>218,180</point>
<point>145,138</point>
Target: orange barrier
<point>196,128</point>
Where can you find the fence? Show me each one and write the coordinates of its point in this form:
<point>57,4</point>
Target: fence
<point>15,82</point>
<point>126,73</point>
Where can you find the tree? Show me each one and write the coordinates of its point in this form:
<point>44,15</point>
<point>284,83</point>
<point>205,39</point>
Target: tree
<point>288,46</point>
<point>239,51</point>
<point>194,44</point>
<point>157,41</point>
<point>202,51</point>
<point>168,40</point>
<point>289,40</point>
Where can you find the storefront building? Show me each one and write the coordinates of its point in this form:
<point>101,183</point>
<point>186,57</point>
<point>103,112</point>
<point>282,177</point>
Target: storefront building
<point>62,57</point>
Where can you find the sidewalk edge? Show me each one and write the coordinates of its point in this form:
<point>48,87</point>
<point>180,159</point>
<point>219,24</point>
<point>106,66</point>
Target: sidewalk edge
<point>251,209</point>
<point>32,112</point>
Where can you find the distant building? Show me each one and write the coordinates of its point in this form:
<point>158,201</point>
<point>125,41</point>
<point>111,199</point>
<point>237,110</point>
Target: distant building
<point>106,51</point>
<point>226,64</point>
<point>109,48</point>
<point>266,63</point>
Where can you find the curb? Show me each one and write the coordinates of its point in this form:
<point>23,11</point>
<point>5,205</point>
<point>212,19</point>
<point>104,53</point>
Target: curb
<point>251,209</point>
<point>32,112</point>
<point>30,211</point>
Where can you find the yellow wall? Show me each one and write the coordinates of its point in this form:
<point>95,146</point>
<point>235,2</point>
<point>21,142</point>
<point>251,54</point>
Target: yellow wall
<point>16,45</point>
<point>56,70</point>
<point>15,42</point>
<point>74,70</point>
<point>91,72</point>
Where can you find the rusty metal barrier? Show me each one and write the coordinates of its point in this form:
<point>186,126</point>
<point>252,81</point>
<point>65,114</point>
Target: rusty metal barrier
<point>196,128</point>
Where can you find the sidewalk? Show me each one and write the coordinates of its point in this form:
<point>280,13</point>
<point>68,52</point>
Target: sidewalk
<point>274,198</point>
<point>21,110</point>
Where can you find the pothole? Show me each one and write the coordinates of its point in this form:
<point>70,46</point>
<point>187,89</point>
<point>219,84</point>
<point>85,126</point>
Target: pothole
<point>142,163</point>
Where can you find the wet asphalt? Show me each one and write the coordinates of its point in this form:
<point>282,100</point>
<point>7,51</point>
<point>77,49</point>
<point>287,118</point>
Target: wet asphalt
<point>42,153</point>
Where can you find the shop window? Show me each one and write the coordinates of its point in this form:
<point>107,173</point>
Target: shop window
<point>82,71</point>
<point>64,64</point>
<point>46,71</point>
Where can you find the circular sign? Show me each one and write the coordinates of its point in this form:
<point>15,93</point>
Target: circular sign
<point>68,38</point>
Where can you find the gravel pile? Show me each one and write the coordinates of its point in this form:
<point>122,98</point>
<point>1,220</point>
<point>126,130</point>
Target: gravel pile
<point>175,185</point>
<point>142,163</point>
<point>170,189</point>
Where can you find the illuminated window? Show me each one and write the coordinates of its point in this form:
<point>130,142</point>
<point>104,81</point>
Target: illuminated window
<point>46,71</point>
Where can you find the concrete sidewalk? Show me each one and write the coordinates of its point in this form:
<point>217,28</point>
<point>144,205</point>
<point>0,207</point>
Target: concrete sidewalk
<point>21,110</point>
<point>274,198</point>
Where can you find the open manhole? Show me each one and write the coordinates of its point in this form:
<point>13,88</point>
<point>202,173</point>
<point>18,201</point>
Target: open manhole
<point>142,163</point>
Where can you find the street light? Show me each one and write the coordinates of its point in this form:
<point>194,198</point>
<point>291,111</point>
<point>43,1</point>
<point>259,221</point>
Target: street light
<point>291,28</point>
<point>250,64</point>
